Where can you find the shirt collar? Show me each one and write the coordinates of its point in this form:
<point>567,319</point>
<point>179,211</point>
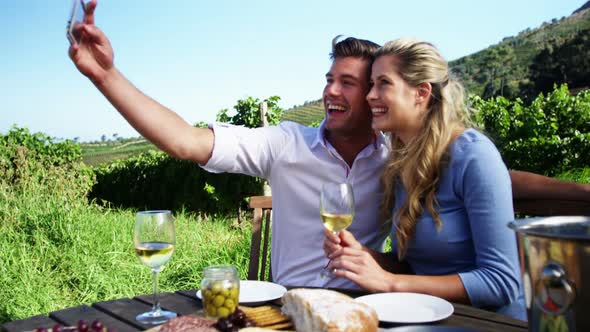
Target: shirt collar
<point>320,138</point>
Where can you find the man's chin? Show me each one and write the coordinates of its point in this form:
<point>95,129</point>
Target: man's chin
<point>332,124</point>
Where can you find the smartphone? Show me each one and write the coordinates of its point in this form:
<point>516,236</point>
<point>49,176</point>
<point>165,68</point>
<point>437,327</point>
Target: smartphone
<point>76,17</point>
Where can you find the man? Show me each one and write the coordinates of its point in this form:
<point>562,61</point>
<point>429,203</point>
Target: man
<point>296,160</point>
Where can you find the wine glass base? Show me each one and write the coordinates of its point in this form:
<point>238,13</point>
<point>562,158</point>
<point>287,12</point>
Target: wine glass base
<point>155,317</point>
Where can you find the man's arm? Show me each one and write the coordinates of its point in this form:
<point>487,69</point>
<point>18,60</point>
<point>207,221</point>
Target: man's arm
<point>94,57</point>
<point>158,124</point>
<point>526,185</point>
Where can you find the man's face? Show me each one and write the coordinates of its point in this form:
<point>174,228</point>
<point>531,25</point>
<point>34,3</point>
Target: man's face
<point>345,103</point>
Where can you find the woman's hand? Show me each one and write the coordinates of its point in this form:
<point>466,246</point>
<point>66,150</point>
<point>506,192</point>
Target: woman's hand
<point>333,242</point>
<point>359,266</point>
<point>93,56</point>
<point>355,262</point>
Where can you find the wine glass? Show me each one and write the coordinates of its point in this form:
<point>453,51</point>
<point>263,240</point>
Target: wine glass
<point>154,240</point>
<point>336,210</point>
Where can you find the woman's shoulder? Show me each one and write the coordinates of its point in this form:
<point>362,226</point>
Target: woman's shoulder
<point>471,136</point>
<point>476,164</point>
<point>472,151</point>
<point>472,142</point>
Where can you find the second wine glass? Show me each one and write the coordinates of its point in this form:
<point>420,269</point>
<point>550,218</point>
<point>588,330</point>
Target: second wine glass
<point>154,239</point>
<point>336,210</point>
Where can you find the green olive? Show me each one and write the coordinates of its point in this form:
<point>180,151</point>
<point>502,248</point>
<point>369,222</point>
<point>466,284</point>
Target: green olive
<point>218,300</point>
<point>234,293</point>
<point>229,303</point>
<point>223,312</point>
<point>216,286</point>
<point>211,311</point>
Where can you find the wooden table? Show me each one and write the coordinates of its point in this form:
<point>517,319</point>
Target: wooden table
<point>120,314</point>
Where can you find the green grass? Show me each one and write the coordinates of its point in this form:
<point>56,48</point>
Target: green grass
<point>56,254</point>
<point>578,175</point>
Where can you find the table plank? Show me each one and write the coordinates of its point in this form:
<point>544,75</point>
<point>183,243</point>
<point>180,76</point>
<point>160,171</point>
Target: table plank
<point>477,324</point>
<point>182,305</point>
<point>29,324</point>
<point>465,310</point>
<point>71,316</point>
<point>190,293</point>
<point>125,310</point>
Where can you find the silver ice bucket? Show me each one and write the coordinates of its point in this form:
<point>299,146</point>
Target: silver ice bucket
<point>555,264</point>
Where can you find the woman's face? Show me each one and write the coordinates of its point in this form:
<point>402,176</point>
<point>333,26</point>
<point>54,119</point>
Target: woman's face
<point>397,106</point>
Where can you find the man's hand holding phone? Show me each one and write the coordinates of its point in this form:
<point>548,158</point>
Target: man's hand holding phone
<point>90,49</point>
<point>77,13</point>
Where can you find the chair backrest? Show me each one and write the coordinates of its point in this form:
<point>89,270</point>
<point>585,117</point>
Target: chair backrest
<point>552,207</point>
<point>259,248</point>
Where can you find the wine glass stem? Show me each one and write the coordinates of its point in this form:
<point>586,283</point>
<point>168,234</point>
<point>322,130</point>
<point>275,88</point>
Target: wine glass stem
<point>156,307</point>
<point>330,260</point>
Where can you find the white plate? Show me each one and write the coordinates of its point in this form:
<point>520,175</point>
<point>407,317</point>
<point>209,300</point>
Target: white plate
<point>408,307</point>
<point>254,292</point>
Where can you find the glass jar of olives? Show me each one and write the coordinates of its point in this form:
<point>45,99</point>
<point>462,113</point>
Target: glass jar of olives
<point>220,290</point>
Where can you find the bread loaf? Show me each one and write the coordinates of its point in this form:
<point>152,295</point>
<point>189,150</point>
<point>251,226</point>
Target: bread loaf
<point>322,310</point>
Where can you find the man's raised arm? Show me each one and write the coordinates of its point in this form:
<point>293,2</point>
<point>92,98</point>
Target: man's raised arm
<point>94,57</point>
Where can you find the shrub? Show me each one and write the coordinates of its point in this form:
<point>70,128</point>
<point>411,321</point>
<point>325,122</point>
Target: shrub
<point>549,136</point>
<point>153,180</point>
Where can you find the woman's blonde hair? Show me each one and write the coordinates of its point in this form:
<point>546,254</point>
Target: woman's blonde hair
<point>418,164</point>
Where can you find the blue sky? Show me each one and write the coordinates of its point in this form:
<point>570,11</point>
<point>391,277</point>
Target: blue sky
<point>197,57</point>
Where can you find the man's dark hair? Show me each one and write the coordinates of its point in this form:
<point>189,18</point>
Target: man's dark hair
<point>352,47</point>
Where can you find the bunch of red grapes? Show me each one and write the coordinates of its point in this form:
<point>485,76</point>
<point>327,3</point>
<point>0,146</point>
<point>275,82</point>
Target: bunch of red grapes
<point>233,322</point>
<point>82,326</point>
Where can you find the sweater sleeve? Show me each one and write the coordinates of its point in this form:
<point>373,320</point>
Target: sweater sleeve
<point>484,182</point>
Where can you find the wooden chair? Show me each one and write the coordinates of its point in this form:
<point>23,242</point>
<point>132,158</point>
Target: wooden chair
<point>552,207</point>
<point>260,257</point>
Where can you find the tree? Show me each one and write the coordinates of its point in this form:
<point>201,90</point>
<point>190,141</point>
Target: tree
<point>500,62</point>
<point>248,112</point>
<point>568,62</point>
<point>507,56</point>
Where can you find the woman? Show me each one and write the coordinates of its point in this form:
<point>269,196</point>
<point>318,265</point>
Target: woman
<point>447,192</point>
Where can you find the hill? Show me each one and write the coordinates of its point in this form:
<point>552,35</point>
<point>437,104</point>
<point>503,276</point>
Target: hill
<point>518,66</point>
<point>98,153</point>
<point>585,6</point>
<point>531,62</point>
<point>310,113</point>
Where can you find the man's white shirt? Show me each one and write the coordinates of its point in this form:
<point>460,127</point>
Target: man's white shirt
<point>297,160</point>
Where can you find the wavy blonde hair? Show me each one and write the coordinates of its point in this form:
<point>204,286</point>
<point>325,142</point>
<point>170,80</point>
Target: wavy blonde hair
<point>418,165</point>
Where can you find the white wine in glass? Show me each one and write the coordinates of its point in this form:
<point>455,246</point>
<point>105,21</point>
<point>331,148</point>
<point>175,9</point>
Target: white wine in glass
<point>154,239</point>
<point>336,210</point>
<point>335,222</point>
